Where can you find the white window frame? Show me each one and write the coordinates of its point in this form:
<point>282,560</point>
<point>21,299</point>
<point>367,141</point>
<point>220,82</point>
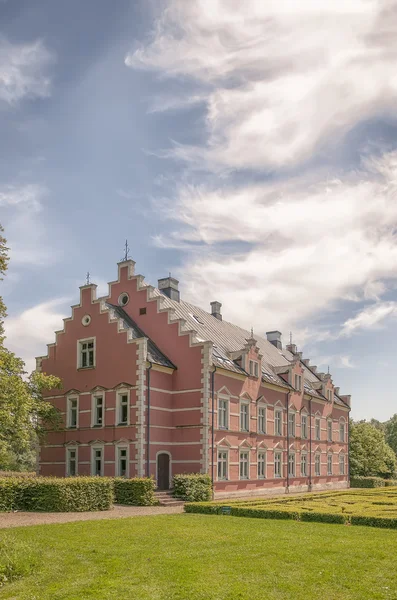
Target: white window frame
<point>262,407</point>
<point>278,453</point>
<point>247,404</point>
<point>317,428</point>
<point>119,448</point>
<point>69,400</point>
<point>276,412</point>
<point>94,409</point>
<point>223,461</point>
<point>317,473</point>
<point>329,463</point>
<point>342,463</point>
<point>304,430</point>
<point>291,423</point>
<point>254,368</point>
<point>70,449</point>
<point>120,394</point>
<point>342,437</point>
<point>298,382</point>
<point>225,412</point>
<point>100,447</point>
<point>329,430</point>
<point>303,462</point>
<point>291,464</point>
<point>242,462</point>
<point>262,460</point>
<point>80,353</point>
<point>330,394</point>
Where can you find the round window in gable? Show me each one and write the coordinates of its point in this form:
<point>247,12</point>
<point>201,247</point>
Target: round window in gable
<point>86,320</point>
<point>124,299</point>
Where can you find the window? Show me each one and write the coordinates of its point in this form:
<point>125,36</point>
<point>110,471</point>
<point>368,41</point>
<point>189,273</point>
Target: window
<point>291,424</point>
<point>261,419</point>
<point>329,430</point>
<point>97,462</point>
<point>244,417</point>
<point>277,464</point>
<point>318,428</point>
<point>86,354</point>
<point>123,299</point>
<point>122,462</point>
<point>329,464</point>
<point>254,368</point>
<point>278,422</point>
<point>223,413</point>
<point>304,426</point>
<point>72,412</point>
<point>261,465</point>
<point>303,465</point>
<point>244,465</point>
<point>341,464</point>
<point>291,464</point>
<point>222,465</point>
<point>330,395</point>
<point>342,432</point>
<point>122,409</point>
<point>298,382</point>
<point>317,465</point>
<point>142,311</point>
<point>71,462</point>
<point>98,411</point>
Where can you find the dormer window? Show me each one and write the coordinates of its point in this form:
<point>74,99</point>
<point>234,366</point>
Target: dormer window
<point>298,382</point>
<point>254,368</point>
<point>330,395</point>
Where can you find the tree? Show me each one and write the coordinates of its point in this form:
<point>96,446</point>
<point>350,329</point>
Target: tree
<point>369,453</point>
<point>24,414</point>
<point>391,432</point>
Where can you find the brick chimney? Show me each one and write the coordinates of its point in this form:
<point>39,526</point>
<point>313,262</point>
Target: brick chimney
<point>169,287</point>
<point>216,310</point>
<point>274,337</point>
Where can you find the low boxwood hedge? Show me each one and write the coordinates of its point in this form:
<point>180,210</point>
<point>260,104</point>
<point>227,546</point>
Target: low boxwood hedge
<point>135,492</point>
<point>193,487</point>
<point>367,482</point>
<point>74,494</point>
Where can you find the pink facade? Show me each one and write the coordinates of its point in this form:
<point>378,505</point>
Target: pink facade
<point>147,389</point>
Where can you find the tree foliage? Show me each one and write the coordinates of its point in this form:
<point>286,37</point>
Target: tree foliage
<point>391,432</point>
<point>370,455</point>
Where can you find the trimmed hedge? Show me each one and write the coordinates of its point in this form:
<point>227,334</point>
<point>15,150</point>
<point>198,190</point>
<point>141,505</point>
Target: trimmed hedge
<point>135,492</point>
<point>74,494</point>
<point>390,482</point>
<point>193,487</point>
<point>367,482</point>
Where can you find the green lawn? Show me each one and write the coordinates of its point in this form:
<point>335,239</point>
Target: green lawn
<point>199,557</point>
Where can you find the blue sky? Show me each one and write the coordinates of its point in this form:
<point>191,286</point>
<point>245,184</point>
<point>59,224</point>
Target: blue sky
<point>249,148</point>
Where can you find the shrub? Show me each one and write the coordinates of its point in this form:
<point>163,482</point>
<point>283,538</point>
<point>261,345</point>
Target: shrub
<point>17,474</point>
<point>390,482</point>
<point>16,559</point>
<point>194,487</point>
<point>370,521</point>
<point>74,494</point>
<point>367,482</point>
<point>135,492</point>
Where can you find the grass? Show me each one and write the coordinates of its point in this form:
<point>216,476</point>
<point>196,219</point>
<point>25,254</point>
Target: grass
<point>175,557</point>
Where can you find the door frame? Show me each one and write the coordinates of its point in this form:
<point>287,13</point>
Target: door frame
<point>169,467</point>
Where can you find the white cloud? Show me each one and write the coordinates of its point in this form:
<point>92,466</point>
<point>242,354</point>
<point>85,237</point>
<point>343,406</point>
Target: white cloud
<point>29,195</point>
<point>24,71</point>
<point>279,78</point>
<point>371,317</point>
<point>337,361</point>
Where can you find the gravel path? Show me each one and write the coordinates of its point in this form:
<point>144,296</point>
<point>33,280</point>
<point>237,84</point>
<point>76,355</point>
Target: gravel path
<point>21,519</point>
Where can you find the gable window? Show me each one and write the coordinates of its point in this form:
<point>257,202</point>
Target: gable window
<point>278,422</point>
<point>254,368</point>
<point>277,464</point>
<point>317,465</point>
<point>222,465</point>
<point>98,420</point>
<point>298,382</point>
<point>330,395</point>
<point>261,419</point>
<point>72,412</point>
<point>341,464</point>
<point>122,409</point>
<point>329,464</point>
<point>329,430</point>
<point>122,462</point>
<point>244,465</point>
<point>86,353</point>
<point>303,465</point>
<point>291,424</point>
<point>342,431</point>
<point>97,462</point>
<point>304,426</point>
<point>244,416</point>
<point>261,465</point>
<point>318,428</point>
<point>291,464</point>
<point>223,413</point>
<point>71,462</point>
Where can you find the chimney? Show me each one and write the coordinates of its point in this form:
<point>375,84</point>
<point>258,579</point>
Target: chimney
<point>169,287</point>
<point>292,348</point>
<point>274,337</point>
<point>216,310</point>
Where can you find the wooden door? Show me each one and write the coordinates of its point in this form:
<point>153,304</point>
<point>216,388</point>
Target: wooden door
<point>163,471</point>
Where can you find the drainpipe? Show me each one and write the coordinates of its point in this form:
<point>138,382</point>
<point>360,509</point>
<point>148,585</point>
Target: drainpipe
<point>287,487</point>
<point>310,443</point>
<point>213,429</point>
<point>148,421</point>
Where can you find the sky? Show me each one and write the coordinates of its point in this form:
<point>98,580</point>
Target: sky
<point>249,148</point>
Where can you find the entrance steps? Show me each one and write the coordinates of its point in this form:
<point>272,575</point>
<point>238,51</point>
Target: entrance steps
<point>165,498</point>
